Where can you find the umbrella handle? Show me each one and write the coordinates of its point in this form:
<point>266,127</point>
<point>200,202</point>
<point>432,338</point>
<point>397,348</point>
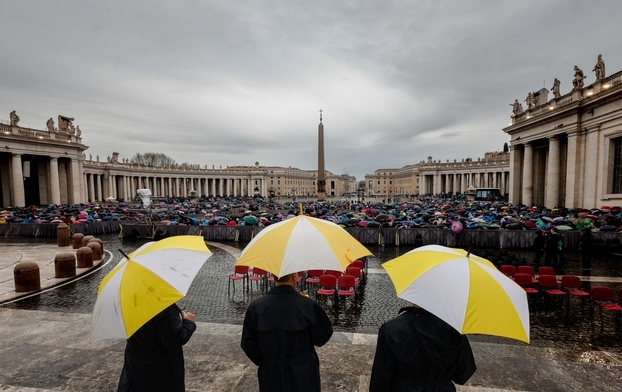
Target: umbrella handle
<point>124,254</point>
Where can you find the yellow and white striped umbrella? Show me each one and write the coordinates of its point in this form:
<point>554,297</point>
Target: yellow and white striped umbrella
<point>466,291</point>
<point>300,244</point>
<point>155,276</point>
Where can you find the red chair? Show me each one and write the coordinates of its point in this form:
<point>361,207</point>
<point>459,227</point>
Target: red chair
<point>573,287</point>
<point>328,287</point>
<point>240,273</point>
<point>347,287</point>
<point>526,282</point>
<point>356,273</point>
<point>547,271</point>
<point>548,284</point>
<point>334,273</point>
<point>258,276</point>
<point>527,269</point>
<point>313,277</point>
<point>363,266</point>
<point>604,298</point>
<point>508,270</point>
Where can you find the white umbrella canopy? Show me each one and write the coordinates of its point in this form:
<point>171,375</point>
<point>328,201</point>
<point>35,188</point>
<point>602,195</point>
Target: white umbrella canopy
<point>466,291</point>
<point>155,276</point>
<point>302,243</point>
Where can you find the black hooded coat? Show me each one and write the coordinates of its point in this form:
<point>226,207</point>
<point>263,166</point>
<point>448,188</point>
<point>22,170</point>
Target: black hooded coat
<point>280,332</point>
<point>154,358</point>
<point>418,352</point>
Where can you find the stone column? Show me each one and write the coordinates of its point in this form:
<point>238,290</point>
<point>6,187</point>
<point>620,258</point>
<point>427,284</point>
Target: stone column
<point>528,175</point>
<point>571,171</point>
<point>17,177</point>
<point>75,182</point>
<point>54,181</point>
<point>91,188</point>
<point>516,158</point>
<point>552,174</point>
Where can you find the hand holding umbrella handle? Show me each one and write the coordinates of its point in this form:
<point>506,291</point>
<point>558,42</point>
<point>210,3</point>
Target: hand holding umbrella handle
<point>188,316</point>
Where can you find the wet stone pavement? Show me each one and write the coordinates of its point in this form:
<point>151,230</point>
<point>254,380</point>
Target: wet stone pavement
<point>210,300</point>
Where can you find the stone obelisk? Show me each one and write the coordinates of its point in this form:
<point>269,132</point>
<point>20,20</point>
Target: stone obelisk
<point>321,174</point>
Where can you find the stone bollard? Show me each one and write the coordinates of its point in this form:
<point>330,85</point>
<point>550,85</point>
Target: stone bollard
<point>65,265</point>
<point>100,242</point>
<point>62,234</point>
<point>85,257</point>
<point>27,277</point>
<point>97,250</point>
<point>86,239</point>
<point>77,240</point>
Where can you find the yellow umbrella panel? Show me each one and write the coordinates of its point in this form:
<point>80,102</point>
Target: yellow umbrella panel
<point>300,244</point>
<point>465,290</point>
<point>155,276</point>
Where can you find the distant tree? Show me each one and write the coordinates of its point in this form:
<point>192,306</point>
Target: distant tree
<point>153,159</point>
<point>506,149</point>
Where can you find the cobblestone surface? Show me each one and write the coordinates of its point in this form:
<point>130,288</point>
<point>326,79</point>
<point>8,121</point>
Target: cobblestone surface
<point>209,299</point>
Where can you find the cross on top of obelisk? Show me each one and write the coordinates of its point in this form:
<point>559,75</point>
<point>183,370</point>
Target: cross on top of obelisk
<point>321,115</point>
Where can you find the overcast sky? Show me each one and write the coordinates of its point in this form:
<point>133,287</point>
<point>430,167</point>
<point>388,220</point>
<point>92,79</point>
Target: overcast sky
<point>237,82</point>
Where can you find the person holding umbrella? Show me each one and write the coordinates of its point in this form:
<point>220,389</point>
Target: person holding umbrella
<point>154,357</point>
<point>279,334</point>
<point>417,351</point>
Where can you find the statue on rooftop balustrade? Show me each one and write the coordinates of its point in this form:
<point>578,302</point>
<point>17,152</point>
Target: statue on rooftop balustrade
<point>578,78</point>
<point>50,125</point>
<point>14,118</point>
<point>517,108</point>
<point>555,88</point>
<point>530,101</point>
<point>599,68</point>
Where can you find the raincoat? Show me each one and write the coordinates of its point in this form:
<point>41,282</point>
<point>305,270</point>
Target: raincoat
<point>280,332</point>
<point>417,351</point>
<point>154,358</point>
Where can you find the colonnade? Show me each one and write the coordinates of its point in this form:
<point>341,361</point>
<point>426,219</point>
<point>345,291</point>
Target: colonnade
<point>544,171</point>
<point>119,185</point>
<point>457,182</point>
<point>58,180</point>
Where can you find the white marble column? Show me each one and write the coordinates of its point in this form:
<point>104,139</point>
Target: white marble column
<point>17,180</point>
<point>91,187</point>
<point>571,198</point>
<point>516,159</point>
<point>100,187</point>
<point>54,181</point>
<point>527,190</point>
<point>552,174</point>
<point>76,184</point>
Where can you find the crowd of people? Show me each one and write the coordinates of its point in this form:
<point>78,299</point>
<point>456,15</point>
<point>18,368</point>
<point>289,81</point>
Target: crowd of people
<point>423,211</point>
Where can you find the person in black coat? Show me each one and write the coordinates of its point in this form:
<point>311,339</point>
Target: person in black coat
<point>553,256</point>
<point>539,241</point>
<point>586,247</point>
<point>154,358</point>
<point>417,351</point>
<point>280,332</point>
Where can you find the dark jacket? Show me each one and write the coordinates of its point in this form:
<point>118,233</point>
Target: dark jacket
<point>154,358</point>
<point>281,330</point>
<point>417,351</point>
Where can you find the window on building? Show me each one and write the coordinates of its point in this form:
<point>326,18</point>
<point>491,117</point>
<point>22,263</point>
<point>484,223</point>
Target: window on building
<point>617,165</point>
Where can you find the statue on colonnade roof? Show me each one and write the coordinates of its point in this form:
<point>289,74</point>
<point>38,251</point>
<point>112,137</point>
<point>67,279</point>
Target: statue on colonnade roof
<point>14,118</point>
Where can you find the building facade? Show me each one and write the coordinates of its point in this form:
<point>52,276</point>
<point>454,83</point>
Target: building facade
<point>567,151</point>
<point>436,177</point>
<point>51,167</point>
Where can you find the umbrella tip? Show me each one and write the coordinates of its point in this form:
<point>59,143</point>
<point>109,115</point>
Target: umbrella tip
<point>469,252</point>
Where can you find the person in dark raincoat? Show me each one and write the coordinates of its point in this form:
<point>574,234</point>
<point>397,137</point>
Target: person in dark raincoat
<point>417,351</point>
<point>154,358</point>
<point>586,247</point>
<point>280,332</point>
<point>539,242</point>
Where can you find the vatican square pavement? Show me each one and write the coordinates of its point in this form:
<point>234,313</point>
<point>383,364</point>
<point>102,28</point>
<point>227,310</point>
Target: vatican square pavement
<point>43,350</point>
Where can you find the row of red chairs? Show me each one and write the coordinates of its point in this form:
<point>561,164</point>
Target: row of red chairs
<point>247,275</point>
<point>601,297</point>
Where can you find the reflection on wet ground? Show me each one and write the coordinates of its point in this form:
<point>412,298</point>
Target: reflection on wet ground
<point>209,300</point>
